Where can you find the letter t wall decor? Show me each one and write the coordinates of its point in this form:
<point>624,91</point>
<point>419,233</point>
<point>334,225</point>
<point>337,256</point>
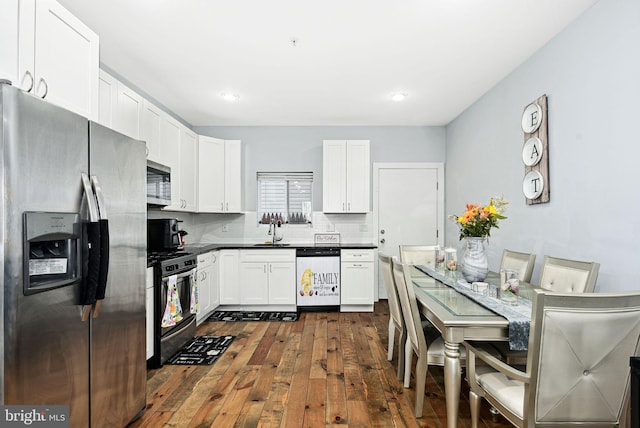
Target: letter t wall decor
<point>535,152</point>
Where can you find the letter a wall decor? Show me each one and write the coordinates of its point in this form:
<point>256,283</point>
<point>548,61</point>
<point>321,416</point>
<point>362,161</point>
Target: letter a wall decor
<point>535,152</point>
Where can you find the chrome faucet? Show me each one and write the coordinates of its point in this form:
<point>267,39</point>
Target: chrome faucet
<point>275,238</point>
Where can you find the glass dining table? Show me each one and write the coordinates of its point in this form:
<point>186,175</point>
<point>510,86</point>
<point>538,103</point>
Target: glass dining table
<point>458,318</point>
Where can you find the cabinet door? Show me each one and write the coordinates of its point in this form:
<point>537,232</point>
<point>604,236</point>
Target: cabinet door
<point>233,176</point>
<point>210,174</point>
<point>151,124</point>
<point>356,282</point>
<point>215,281</point>
<point>63,59</point>
<point>204,293</point>
<point>107,99</point>
<point>358,180</point>
<point>128,118</point>
<point>334,171</point>
<point>170,155</point>
<point>188,152</point>
<point>282,283</point>
<point>254,285</point>
<point>229,289</point>
<point>9,19</point>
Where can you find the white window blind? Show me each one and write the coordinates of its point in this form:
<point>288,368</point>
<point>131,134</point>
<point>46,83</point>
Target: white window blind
<point>284,196</point>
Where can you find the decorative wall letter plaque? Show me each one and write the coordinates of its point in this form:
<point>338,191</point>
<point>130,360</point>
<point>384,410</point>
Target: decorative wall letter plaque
<point>535,152</point>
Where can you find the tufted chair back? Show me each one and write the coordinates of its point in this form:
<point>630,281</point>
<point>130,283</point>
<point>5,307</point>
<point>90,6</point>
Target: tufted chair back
<point>568,276</point>
<point>521,262</point>
<point>577,370</point>
<point>418,254</point>
<point>580,361</point>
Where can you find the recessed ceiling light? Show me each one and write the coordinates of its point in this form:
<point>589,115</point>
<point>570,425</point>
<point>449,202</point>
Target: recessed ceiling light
<point>399,96</point>
<point>229,96</point>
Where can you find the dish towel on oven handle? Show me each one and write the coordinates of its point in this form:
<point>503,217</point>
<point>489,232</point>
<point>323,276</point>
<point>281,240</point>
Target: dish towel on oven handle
<point>173,310</point>
<point>193,307</point>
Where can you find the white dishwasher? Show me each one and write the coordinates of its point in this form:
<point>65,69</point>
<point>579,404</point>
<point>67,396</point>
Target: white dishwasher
<point>318,278</point>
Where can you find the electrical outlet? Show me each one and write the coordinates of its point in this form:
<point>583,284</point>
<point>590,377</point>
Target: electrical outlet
<point>225,227</point>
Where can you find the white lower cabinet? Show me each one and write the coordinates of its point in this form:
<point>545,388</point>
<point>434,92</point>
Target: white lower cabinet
<point>357,275</point>
<point>229,277</point>
<point>150,311</point>
<point>268,277</point>
<point>208,290</point>
<point>282,283</point>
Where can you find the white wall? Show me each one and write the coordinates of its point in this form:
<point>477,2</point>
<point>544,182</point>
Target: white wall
<point>591,75</point>
<point>299,148</point>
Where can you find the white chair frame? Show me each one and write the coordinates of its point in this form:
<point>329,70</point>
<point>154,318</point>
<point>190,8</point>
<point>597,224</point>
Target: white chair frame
<point>396,319</point>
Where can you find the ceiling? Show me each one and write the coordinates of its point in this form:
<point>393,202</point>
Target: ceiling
<point>349,56</point>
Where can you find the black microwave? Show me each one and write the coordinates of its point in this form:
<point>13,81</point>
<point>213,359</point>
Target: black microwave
<point>158,184</point>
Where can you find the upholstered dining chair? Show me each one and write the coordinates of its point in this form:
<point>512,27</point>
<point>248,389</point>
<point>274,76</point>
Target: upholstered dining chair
<point>416,341</point>
<point>396,320</point>
<point>418,254</point>
<point>568,276</point>
<point>577,371</point>
<point>523,263</point>
<point>561,275</point>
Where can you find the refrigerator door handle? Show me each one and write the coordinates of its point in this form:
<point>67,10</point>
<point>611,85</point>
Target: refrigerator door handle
<point>92,257</point>
<point>101,290</point>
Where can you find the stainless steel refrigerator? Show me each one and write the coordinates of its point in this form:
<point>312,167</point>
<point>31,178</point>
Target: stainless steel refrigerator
<point>73,217</point>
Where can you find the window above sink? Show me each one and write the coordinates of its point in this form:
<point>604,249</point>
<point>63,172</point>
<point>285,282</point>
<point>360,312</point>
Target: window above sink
<point>285,197</point>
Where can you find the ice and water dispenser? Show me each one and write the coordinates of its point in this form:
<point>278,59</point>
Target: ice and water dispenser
<point>52,250</point>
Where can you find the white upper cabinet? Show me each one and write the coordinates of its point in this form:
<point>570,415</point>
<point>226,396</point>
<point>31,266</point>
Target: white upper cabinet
<point>346,176</point>
<point>188,169</point>
<point>57,57</point>
<point>107,99</point>
<point>129,112</point>
<point>170,150</point>
<point>119,107</point>
<point>219,175</point>
<point>9,44</point>
<point>151,124</point>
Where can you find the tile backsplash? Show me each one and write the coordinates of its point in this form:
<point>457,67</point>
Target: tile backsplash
<point>240,228</point>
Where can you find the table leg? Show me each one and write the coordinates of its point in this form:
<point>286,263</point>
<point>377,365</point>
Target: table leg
<point>452,379</point>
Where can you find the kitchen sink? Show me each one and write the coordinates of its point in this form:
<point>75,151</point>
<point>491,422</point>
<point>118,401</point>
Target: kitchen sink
<point>265,245</point>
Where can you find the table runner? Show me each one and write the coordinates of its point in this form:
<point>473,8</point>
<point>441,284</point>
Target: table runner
<point>519,316</point>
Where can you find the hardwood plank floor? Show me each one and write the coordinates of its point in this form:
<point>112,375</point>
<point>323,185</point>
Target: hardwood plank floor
<point>327,369</point>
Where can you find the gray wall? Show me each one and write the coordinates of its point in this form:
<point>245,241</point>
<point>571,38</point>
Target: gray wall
<point>591,75</point>
<point>299,148</point>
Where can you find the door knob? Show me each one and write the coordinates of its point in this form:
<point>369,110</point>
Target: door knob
<point>382,232</point>
<point>382,241</point>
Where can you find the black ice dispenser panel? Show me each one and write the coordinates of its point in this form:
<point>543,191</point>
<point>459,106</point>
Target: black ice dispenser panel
<point>51,251</point>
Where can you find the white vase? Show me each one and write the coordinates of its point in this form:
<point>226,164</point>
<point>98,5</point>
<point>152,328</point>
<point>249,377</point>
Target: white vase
<point>474,262</point>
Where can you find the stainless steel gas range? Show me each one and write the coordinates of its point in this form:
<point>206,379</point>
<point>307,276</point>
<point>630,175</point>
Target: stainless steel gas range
<point>174,276</point>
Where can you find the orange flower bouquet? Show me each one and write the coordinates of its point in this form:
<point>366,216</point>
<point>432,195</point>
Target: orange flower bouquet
<point>477,221</point>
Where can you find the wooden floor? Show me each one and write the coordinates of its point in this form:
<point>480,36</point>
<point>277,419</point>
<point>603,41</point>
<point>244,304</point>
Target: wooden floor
<point>325,369</point>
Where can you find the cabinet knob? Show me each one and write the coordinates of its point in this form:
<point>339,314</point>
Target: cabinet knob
<point>382,241</point>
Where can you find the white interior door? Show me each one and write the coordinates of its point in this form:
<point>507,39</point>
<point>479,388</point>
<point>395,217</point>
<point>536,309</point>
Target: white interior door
<point>408,207</point>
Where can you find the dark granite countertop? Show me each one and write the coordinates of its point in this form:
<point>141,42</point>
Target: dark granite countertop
<point>201,248</point>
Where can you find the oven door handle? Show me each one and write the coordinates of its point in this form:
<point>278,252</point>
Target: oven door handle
<point>180,275</point>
